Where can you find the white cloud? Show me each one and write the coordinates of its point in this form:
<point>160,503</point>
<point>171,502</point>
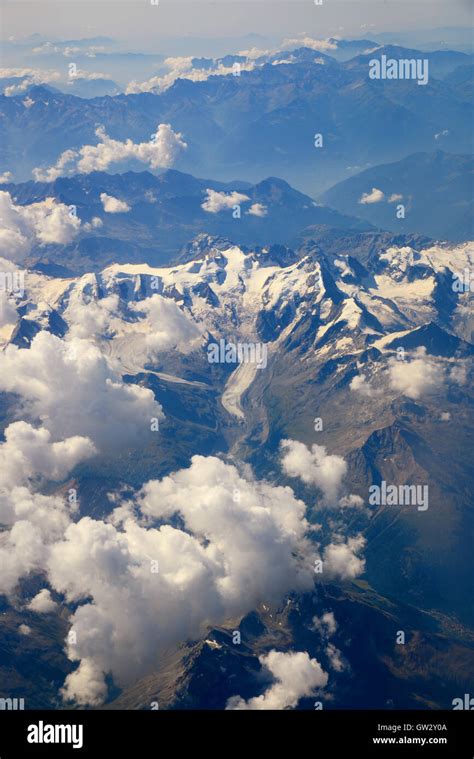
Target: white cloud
<point>30,77</point>
<point>375,196</point>
<point>351,502</point>
<point>6,177</point>
<point>361,385</point>
<point>416,377</point>
<point>230,554</point>
<point>221,201</point>
<point>296,676</point>
<point>29,452</point>
<point>95,223</point>
<point>24,630</point>
<point>257,209</point>
<point>341,560</point>
<point>85,685</point>
<point>311,42</point>
<point>160,152</point>
<point>182,68</point>
<point>27,457</point>
<point>326,624</point>
<point>92,317</point>
<point>8,312</point>
<point>113,205</point>
<point>254,53</point>
<point>314,466</point>
<point>169,327</point>
<point>89,76</point>
<point>395,198</point>
<point>70,386</point>
<point>335,658</point>
<point>458,374</point>
<point>42,603</point>
<point>43,223</point>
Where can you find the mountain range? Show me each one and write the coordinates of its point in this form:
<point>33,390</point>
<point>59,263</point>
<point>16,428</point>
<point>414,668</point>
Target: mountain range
<point>261,122</point>
<point>326,321</point>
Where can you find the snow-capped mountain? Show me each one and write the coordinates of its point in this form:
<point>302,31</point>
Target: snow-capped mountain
<point>379,351</point>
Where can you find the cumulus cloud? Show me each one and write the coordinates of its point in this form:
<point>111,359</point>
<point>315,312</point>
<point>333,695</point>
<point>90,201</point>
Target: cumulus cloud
<point>351,502</point>
<point>257,209</point>
<point>29,76</point>
<point>71,387</point>
<point>160,152</point>
<point>341,559</point>
<point>296,676</point>
<point>184,68</point>
<point>85,685</point>
<point>314,467</point>
<point>375,196</point>
<point>6,177</point>
<point>417,377</point>
<point>35,521</point>
<point>113,205</point>
<point>326,624</point>
<point>221,201</point>
<point>8,312</point>
<point>44,223</point>
<point>91,317</point>
<point>169,327</point>
<point>31,453</point>
<point>95,223</point>
<point>306,41</point>
<point>395,197</point>
<point>43,603</point>
<point>229,554</point>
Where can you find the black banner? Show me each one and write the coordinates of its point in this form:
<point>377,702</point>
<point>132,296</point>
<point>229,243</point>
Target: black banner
<point>134,733</point>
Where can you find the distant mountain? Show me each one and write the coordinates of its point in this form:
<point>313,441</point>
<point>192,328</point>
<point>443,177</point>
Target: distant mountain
<point>80,86</point>
<point>462,79</point>
<point>261,122</point>
<point>439,38</point>
<point>344,50</point>
<point>441,62</point>
<point>435,188</point>
<point>166,212</point>
<point>91,88</point>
